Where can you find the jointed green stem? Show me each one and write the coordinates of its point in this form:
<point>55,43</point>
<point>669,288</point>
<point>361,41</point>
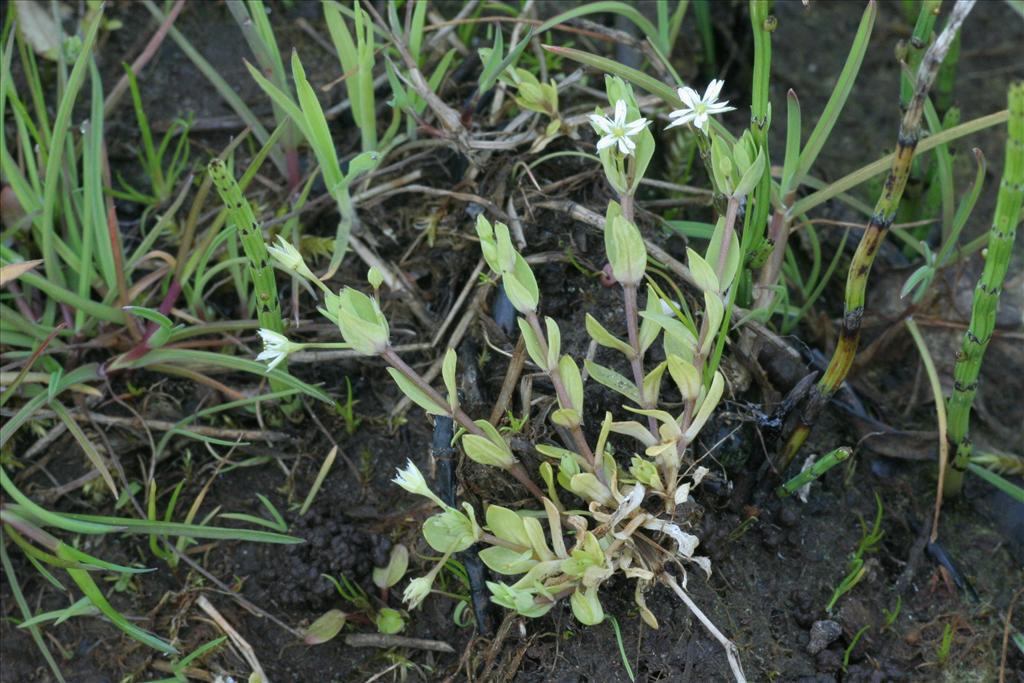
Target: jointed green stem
<point>874,235</point>
<point>986,294</point>
<point>261,269</point>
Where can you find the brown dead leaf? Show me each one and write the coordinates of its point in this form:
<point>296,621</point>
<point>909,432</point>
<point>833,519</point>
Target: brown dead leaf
<point>16,270</point>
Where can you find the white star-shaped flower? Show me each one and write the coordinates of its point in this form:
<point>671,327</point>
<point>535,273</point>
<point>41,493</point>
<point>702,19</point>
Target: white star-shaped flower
<point>697,109</point>
<point>616,130</point>
<point>276,348</point>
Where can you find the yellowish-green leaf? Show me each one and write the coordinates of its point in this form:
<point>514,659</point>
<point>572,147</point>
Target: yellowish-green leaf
<point>613,381</point>
<point>325,628</point>
<point>605,338</point>
<point>415,394</point>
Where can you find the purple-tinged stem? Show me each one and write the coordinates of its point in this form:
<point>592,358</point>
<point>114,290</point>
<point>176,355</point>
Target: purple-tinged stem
<point>517,470</point>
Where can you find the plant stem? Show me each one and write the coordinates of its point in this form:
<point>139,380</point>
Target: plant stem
<point>731,211</point>
<point>986,295</point>
<point>637,361</point>
<point>731,652</point>
<point>823,465</point>
<point>517,470</point>
<point>874,235</point>
<point>564,400</point>
<point>778,235</point>
<point>759,200</point>
<point>261,270</point>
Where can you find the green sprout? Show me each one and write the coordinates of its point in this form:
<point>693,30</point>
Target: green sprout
<point>868,543</point>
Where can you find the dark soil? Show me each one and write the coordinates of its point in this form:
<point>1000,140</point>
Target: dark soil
<point>775,566</point>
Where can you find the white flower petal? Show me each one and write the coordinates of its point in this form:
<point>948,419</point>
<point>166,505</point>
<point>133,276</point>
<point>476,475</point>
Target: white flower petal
<point>701,121</point>
<point>626,146</point>
<point>719,108</point>
<point>686,117</point>
<point>272,338</point>
<point>601,123</point>
<point>620,113</point>
<point>713,90</point>
<point>606,142</point>
<point>634,127</point>
<point>690,97</point>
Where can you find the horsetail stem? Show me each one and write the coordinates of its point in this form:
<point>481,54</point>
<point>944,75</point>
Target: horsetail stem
<point>874,235</point>
<point>261,269</point>
<point>986,295</point>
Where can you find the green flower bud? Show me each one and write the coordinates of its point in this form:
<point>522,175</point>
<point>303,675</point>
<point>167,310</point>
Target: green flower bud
<point>452,531</point>
<point>362,324</point>
<point>586,607</point>
<point>417,590</point>
<point>375,277</point>
<point>389,621</point>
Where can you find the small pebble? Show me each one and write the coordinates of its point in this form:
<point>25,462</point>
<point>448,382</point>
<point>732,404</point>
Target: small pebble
<point>823,634</point>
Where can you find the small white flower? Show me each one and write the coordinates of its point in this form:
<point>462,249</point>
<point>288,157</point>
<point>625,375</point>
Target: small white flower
<point>288,258</point>
<point>616,130</point>
<point>412,480</point>
<point>697,109</point>
<point>418,590</point>
<point>276,348</point>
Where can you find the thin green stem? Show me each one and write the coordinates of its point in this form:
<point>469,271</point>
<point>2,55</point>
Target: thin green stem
<point>637,361</point>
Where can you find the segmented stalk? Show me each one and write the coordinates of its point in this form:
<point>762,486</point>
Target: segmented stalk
<point>986,295</point>
<point>874,235</point>
<point>261,269</point>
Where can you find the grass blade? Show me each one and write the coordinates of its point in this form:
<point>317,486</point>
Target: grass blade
<point>840,93</point>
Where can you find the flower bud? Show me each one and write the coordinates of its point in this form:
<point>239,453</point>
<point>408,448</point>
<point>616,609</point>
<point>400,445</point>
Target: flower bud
<point>289,259</point>
<point>362,324</point>
<point>586,607</point>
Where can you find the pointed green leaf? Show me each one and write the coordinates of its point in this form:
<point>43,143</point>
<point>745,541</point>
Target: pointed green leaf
<point>605,338</point>
<point>415,394</point>
<point>613,381</point>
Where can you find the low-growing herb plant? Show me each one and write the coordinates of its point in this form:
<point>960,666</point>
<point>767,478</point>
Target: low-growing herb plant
<point>595,517</point>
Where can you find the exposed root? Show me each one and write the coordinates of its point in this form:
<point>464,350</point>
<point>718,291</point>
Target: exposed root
<point>731,652</point>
